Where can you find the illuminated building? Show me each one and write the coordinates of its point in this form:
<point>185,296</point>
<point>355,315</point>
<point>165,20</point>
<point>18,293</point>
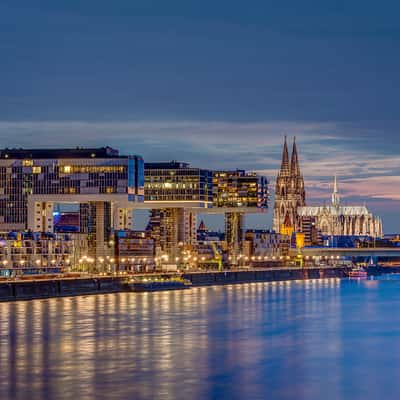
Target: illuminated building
<point>338,220</point>
<point>175,191</point>
<point>236,193</point>
<point>27,252</point>
<point>134,250</point>
<point>264,243</point>
<point>292,215</point>
<point>312,236</point>
<point>238,189</point>
<point>289,192</point>
<point>104,183</point>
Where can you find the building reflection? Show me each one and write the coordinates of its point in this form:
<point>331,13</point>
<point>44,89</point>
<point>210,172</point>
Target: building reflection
<point>235,341</point>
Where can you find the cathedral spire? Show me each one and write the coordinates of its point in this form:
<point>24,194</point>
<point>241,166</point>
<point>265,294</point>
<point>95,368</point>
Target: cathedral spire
<point>294,163</point>
<point>285,160</point>
<point>335,194</point>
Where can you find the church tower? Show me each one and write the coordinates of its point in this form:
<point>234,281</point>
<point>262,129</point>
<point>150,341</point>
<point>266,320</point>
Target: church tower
<point>289,192</point>
<point>335,194</point>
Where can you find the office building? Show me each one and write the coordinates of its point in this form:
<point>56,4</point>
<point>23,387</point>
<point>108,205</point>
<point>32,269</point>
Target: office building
<point>175,192</point>
<point>100,180</point>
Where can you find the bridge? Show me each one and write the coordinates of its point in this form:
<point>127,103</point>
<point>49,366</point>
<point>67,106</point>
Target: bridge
<point>332,252</point>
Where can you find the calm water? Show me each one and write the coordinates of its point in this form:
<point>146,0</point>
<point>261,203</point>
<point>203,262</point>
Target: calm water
<point>326,339</point>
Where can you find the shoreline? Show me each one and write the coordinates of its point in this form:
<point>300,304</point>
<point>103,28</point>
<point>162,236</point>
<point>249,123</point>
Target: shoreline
<point>17,290</point>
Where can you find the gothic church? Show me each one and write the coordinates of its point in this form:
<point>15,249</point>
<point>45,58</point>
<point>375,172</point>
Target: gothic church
<point>292,215</point>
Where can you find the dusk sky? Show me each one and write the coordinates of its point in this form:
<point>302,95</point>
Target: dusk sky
<point>214,83</point>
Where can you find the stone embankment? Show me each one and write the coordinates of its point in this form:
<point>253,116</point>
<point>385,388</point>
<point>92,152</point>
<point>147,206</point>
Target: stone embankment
<point>46,288</point>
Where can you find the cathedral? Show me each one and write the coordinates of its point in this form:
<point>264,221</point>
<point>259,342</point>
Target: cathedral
<point>292,215</point>
<point>289,193</point>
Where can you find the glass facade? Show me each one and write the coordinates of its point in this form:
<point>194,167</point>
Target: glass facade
<point>64,172</point>
<point>177,182</point>
<point>135,177</point>
<point>239,189</point>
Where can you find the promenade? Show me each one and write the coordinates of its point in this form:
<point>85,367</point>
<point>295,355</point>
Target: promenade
<point>60,286</point>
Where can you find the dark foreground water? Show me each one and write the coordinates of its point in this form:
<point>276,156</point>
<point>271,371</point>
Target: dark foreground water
<point>326,339</point>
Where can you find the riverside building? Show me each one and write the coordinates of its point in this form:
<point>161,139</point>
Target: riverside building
<point>177,193</point>
<point>291,215</point>
<point>174,193</point>
<point>29,252</point>
<point>340,220</point>
<point>238,193</point>
<point>103,183</point>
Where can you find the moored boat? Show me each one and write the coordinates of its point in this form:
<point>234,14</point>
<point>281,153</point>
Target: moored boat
<point>156,284</point>
<point>358,272</point>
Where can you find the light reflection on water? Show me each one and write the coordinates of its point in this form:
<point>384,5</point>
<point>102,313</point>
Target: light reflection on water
<point>327,339</point>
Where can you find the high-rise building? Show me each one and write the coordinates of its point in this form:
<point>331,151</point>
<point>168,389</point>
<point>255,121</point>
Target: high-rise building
<point>32,181</point>
<point>237,193</point>
<point>289,191</point>
<point>175,191</point>
<point>240,189</point>
<point>176,182</point>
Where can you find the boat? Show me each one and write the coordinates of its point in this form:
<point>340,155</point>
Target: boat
<point>154,284</point>
<point>358,272</point>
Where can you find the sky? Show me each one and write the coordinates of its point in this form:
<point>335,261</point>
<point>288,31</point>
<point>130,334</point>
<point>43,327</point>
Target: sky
<point>214,83</point>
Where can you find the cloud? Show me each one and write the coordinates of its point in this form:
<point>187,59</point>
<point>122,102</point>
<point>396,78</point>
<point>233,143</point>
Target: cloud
<point>218,144</point>
<point>325,149</point>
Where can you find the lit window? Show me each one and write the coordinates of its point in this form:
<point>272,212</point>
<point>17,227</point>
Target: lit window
<point>36,170</point>
<point>66,169</point>
<point>27,163</point>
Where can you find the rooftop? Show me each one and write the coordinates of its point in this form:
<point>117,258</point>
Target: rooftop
<point>166,165</point>
<point>312,211</point>
<point>78,152</point>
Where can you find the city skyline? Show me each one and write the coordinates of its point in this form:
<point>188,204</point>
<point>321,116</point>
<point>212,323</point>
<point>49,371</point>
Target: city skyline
<point>199,199</point>
<point>217,88</point>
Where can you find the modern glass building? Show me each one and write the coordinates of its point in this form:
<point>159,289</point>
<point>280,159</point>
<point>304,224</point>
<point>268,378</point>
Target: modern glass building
<point>42,177</point>
<point>175,192</point>
<point>177,182</point>
<point>238,189</point>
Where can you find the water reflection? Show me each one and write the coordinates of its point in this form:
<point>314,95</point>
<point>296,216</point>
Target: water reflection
<point>304,340</point>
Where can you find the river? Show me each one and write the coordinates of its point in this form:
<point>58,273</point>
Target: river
<point>321,339</point>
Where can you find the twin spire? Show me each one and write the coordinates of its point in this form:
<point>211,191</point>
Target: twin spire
<point>293,168</point>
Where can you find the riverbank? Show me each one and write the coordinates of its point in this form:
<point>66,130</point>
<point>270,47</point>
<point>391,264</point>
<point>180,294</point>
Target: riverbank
<point>63,287</point>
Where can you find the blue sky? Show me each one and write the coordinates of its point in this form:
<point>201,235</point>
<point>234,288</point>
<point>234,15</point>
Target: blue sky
<point>217,84</point>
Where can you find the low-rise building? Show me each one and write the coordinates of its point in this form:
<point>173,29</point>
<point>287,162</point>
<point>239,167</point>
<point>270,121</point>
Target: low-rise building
<point>29,252</point>
<point>262,243</point>
<point>134,250</point>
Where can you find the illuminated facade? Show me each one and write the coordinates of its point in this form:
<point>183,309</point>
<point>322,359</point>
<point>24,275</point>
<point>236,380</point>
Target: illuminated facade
<point>62,175</point>
<point>134,251</point>
<point>179,192</point>
<point>177,182</point>
<point>103,184</point>
<point>237,193</point>
<point>339,220</point>
<point>27,251</point>
<point>289,192</point>
<point>176,191</point>
<point>239,188</point>
<point>292,215</point>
